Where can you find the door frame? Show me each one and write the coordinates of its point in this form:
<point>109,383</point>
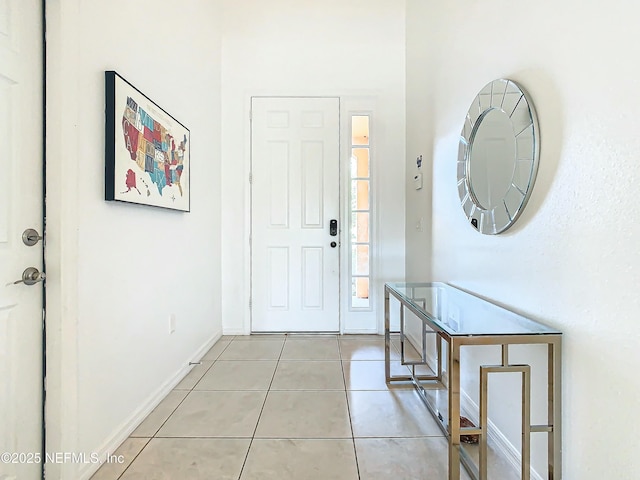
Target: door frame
<point>361,321</point>
<point>43,373</point>
<point>351,103</point>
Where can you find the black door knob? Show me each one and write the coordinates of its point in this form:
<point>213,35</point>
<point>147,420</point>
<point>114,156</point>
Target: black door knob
<point>333,244</point>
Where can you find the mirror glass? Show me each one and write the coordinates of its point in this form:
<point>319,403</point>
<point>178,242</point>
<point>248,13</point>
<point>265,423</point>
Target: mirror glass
<point>491,159</point>
<point>498,156</point>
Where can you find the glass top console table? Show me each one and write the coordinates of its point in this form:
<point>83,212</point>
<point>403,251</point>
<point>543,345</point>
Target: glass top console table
<point>457,319</point>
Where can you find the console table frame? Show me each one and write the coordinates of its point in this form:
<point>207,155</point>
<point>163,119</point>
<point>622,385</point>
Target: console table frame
<point>457,455</point>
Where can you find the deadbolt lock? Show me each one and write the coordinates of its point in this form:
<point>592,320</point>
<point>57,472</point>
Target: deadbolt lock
<point>30,237</point>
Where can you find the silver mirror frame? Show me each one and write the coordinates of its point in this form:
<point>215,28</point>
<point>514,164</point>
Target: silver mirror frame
<point>509,98</point>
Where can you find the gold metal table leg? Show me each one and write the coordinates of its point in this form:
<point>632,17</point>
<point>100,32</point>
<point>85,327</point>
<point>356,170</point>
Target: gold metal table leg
<point>454,410</point>
<point>525,370</point>
<point>387,338</point>
<point>554,391</point>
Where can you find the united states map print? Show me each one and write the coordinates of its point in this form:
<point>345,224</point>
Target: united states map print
<point>151,151</point>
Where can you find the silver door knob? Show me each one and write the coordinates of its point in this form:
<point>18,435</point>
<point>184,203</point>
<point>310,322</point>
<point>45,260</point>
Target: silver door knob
<point>31,276</point>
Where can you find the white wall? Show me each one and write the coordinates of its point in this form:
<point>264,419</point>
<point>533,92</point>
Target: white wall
<point>352,49</point>
<point>572,260</point>
<point>116,271</point>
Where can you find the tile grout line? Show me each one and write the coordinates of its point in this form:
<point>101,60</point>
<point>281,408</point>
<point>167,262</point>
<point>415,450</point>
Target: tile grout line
<point>278,360</point>
<point>246,457</point>
<point>190,390</point>
<point>171,414</point>
<point>210,366</point>
<point>134,458</point>
<point>346,395</point>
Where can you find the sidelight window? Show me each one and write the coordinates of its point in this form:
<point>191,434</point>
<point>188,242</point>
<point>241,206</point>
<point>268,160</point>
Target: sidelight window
<point>360,212</point>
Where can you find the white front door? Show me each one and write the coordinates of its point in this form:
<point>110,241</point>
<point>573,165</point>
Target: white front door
<point>295,148</point>
<point>21,165</point>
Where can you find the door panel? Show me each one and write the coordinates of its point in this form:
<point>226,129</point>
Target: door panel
<point>295,194</point>
<point>312,156</point>
<point>312,285</point>
<point>277,164</point>
<point>20,208</point>
<point>278,275</point>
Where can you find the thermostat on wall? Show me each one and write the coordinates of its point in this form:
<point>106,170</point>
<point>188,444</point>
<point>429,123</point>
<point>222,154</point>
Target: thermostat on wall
<point>417,181</point>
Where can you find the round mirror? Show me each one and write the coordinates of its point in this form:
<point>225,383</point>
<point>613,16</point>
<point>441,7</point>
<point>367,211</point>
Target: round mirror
<point>498,156</point>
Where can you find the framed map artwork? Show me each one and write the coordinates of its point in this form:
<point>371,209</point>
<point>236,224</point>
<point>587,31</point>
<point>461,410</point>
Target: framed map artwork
<point>147,151</point>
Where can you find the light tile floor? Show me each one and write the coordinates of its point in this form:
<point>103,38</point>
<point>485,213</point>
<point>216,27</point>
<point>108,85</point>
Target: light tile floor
<point>287,408</point>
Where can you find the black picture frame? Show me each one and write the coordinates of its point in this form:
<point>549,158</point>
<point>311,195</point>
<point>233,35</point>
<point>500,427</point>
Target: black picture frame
<point>147,151</point>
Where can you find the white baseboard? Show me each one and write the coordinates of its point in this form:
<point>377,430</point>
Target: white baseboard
<point>122,432</point>
<point>373,331</point>
<point>234,331</point>
<point>495,437</point>
<point>360,331</point>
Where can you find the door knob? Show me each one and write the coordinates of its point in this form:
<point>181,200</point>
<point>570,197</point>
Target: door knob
<point>30,237</point>
<point>31,276</point>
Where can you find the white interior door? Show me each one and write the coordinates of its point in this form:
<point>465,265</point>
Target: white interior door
<point>295,195</point>
<point>21,165</point>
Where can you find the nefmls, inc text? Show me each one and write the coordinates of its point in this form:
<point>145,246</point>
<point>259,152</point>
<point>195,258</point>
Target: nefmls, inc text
<point>59,457</point>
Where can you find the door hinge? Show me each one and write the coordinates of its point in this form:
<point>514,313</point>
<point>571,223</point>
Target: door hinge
<point>250,178</point>
<point>251,115</point>
<point>250,303</point>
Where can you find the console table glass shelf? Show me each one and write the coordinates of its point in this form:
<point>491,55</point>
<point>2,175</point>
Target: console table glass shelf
<point>457,318</point>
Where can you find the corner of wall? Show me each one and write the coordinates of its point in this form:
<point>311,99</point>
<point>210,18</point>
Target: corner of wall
<point>61,250</point>
<point>419,145</point>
